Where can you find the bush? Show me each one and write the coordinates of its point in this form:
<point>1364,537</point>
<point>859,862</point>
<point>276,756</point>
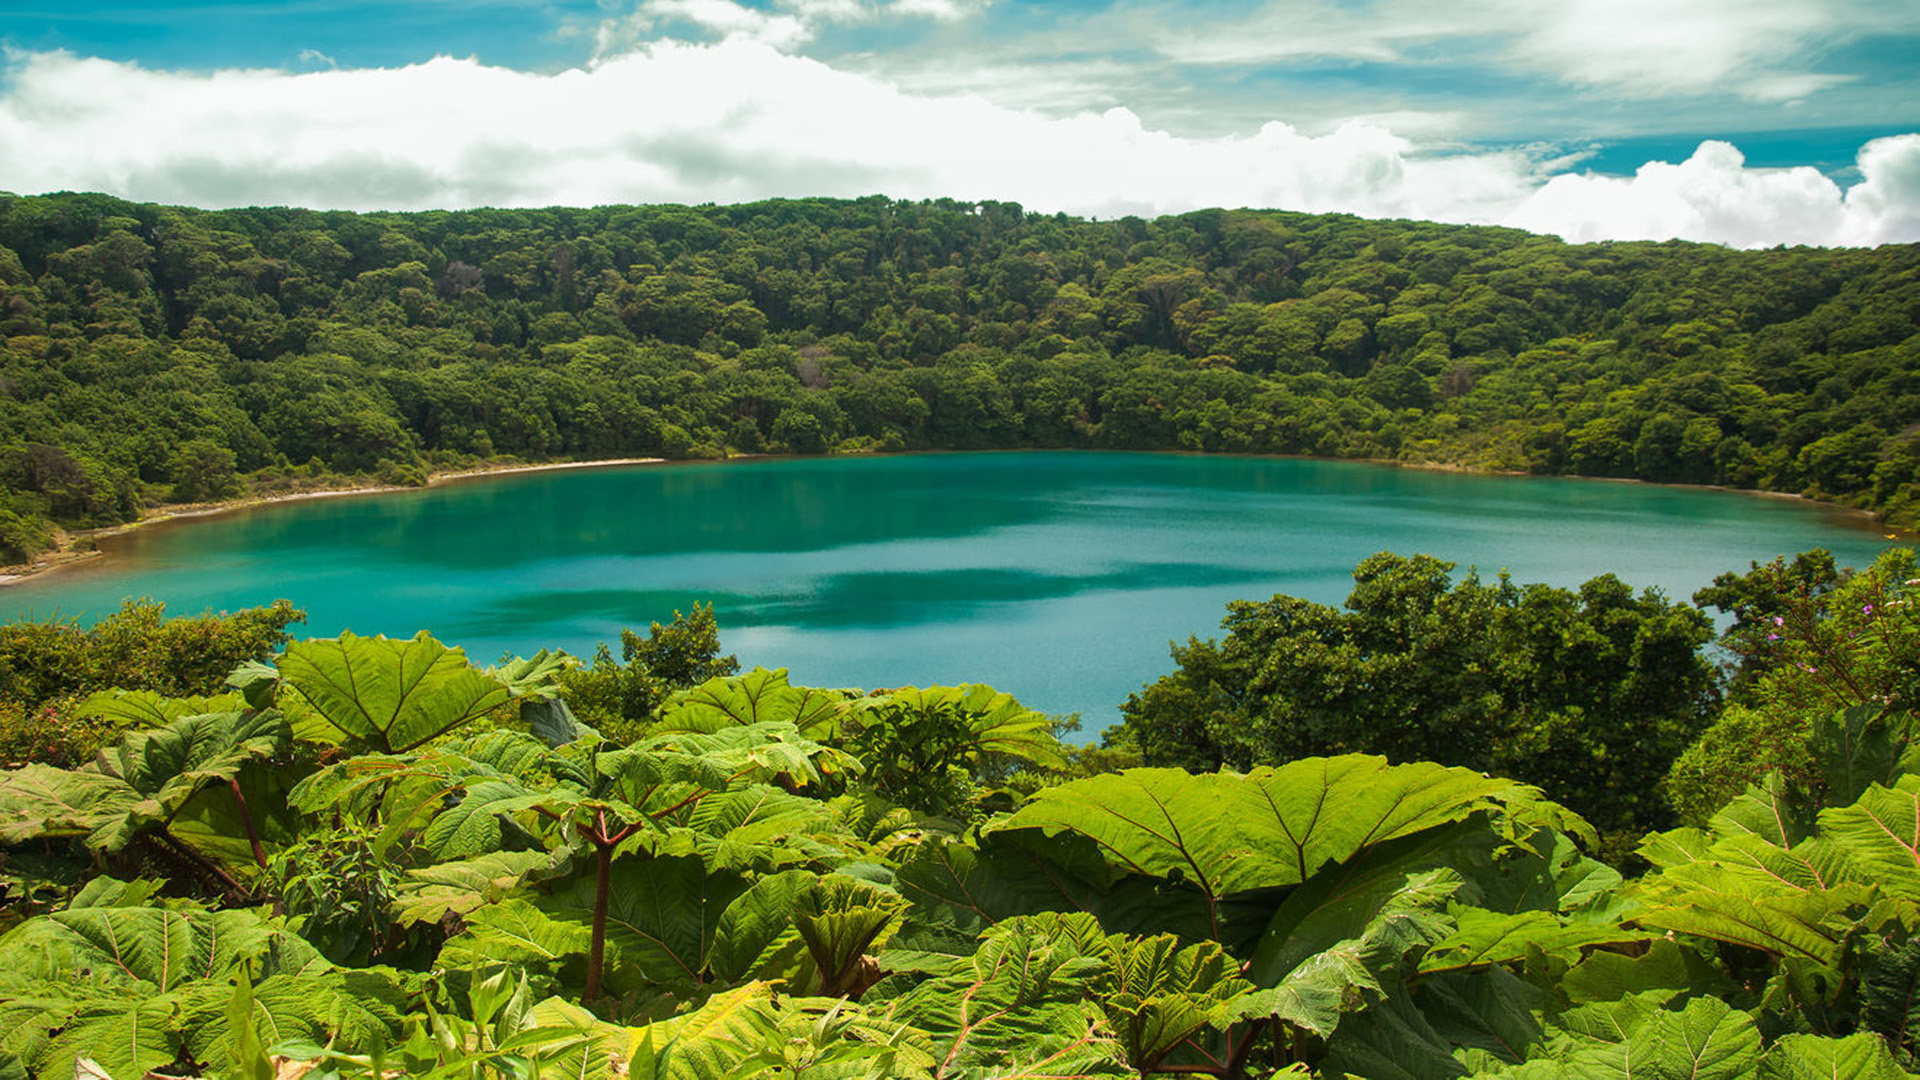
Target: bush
<point>49,665</point>
<point>620,696</point>
<point>1590,694</point>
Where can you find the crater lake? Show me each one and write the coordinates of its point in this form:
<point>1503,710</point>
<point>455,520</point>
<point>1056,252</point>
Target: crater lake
<point>1057,576</point>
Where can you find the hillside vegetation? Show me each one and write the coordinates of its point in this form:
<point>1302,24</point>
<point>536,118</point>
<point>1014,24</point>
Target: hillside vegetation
<point>152,353</point>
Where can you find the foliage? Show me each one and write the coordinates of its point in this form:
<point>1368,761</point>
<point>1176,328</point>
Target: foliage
<point>340,893</point>
<point>620,697</point>
<point>48,668</point>
<point>162,349</point>
<point>929,750</point>
<point>1589,694</point>
<point>1825,657</point>
<point>432,882</point>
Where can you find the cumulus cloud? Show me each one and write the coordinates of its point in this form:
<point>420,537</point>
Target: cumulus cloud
<point>740,119</point>
<point>1713,195</point>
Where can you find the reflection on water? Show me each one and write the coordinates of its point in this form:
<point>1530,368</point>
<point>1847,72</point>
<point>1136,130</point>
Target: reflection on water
<point>1057,576</point>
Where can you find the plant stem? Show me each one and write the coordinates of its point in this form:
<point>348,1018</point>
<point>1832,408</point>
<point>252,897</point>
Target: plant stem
<point>246,822</point>
<point>602,884</point>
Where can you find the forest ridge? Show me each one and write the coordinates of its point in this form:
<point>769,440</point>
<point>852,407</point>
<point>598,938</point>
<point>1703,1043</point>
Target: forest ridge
<point>152,353</point>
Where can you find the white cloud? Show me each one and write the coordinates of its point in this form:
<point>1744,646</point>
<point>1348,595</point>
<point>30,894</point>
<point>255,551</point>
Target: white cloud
<point>796,23</point>
<point>740,120</point>
<point>1758,50</point>
<point>1713,195</point>
<point>1885,205</point>
<point>1648,48</point>
<point>724,18</point>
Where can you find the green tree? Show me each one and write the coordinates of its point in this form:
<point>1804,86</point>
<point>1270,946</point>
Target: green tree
<point>201,469</point>
<point>620,696</point>
<point>1589,694</point>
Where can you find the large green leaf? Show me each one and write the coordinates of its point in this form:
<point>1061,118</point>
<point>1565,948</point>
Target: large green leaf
<point>1706,1039</point>
<point>393,695</point>
<point>145,708</point>
<point>1714,901</point>
<point>473,825</point>
<point>1345,901</point>
<point>1159,995</point>
<point>766,752</point>
<point>1003,876</point>
<point>755,937</point>
<point>211,822</point>
<point>430,893</point>
<point>1491,937</point>
<point>42,801</point>
<point>1768,811</point>
<point>1023,997</point>
<point>516,932</point>
<point>661,918</point>
<point>1348,942</point>
<point>1666,964</point>
<point>348,1010</point>
<point>1487,1016</point>
<point>842,921</point>
<point>757,697</point>
<point>154,948</point>
<point>194,748</point>
<point>1318,992</point>
<point>1881,835</point>
<point>757,826</point>
<point>1392,1039</point>
<point>994,722</point>
<point>123,1038</point>
<point>168,766</point>
<point>143,780</point>
<point>1890,994</point>
<point>1811,1057</point>
<point>1856,748</point>
<point>1225,833</point>
<point>1544,872</point>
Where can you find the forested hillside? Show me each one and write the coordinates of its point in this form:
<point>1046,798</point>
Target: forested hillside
<point>152,353</point>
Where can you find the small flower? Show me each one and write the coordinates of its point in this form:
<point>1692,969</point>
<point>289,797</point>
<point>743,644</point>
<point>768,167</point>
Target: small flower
<point>1779,620</point>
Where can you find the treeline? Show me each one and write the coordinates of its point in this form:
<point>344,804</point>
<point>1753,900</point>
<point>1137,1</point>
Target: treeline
<point>150,353</point>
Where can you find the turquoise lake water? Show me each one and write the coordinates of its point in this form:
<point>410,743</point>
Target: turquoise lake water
<point>1059,577</point>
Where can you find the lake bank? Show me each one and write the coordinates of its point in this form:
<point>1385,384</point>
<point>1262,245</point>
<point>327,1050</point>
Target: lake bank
<point>77,546</point>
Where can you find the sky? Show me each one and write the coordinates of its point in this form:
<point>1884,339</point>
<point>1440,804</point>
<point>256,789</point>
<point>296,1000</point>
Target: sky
<point>1750,123</point>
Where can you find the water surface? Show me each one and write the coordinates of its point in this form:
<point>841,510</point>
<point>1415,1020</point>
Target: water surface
<point>1059,577</point>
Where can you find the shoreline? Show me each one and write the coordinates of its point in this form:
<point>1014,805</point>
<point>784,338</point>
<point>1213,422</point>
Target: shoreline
<point>65,554</point>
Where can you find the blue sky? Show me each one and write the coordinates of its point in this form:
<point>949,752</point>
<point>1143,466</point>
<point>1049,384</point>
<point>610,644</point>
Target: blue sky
<point>1748,122</point>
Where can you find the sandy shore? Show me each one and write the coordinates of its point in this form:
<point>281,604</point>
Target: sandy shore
<point>66,551</point>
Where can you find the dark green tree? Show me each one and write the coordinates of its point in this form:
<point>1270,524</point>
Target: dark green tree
<point>1588,693</point>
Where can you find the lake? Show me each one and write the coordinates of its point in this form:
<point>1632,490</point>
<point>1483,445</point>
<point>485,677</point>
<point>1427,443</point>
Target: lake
<point>1057,576</point>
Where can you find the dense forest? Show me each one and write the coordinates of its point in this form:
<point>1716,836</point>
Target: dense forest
<point>152,353</point>
<point>224,852</point>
